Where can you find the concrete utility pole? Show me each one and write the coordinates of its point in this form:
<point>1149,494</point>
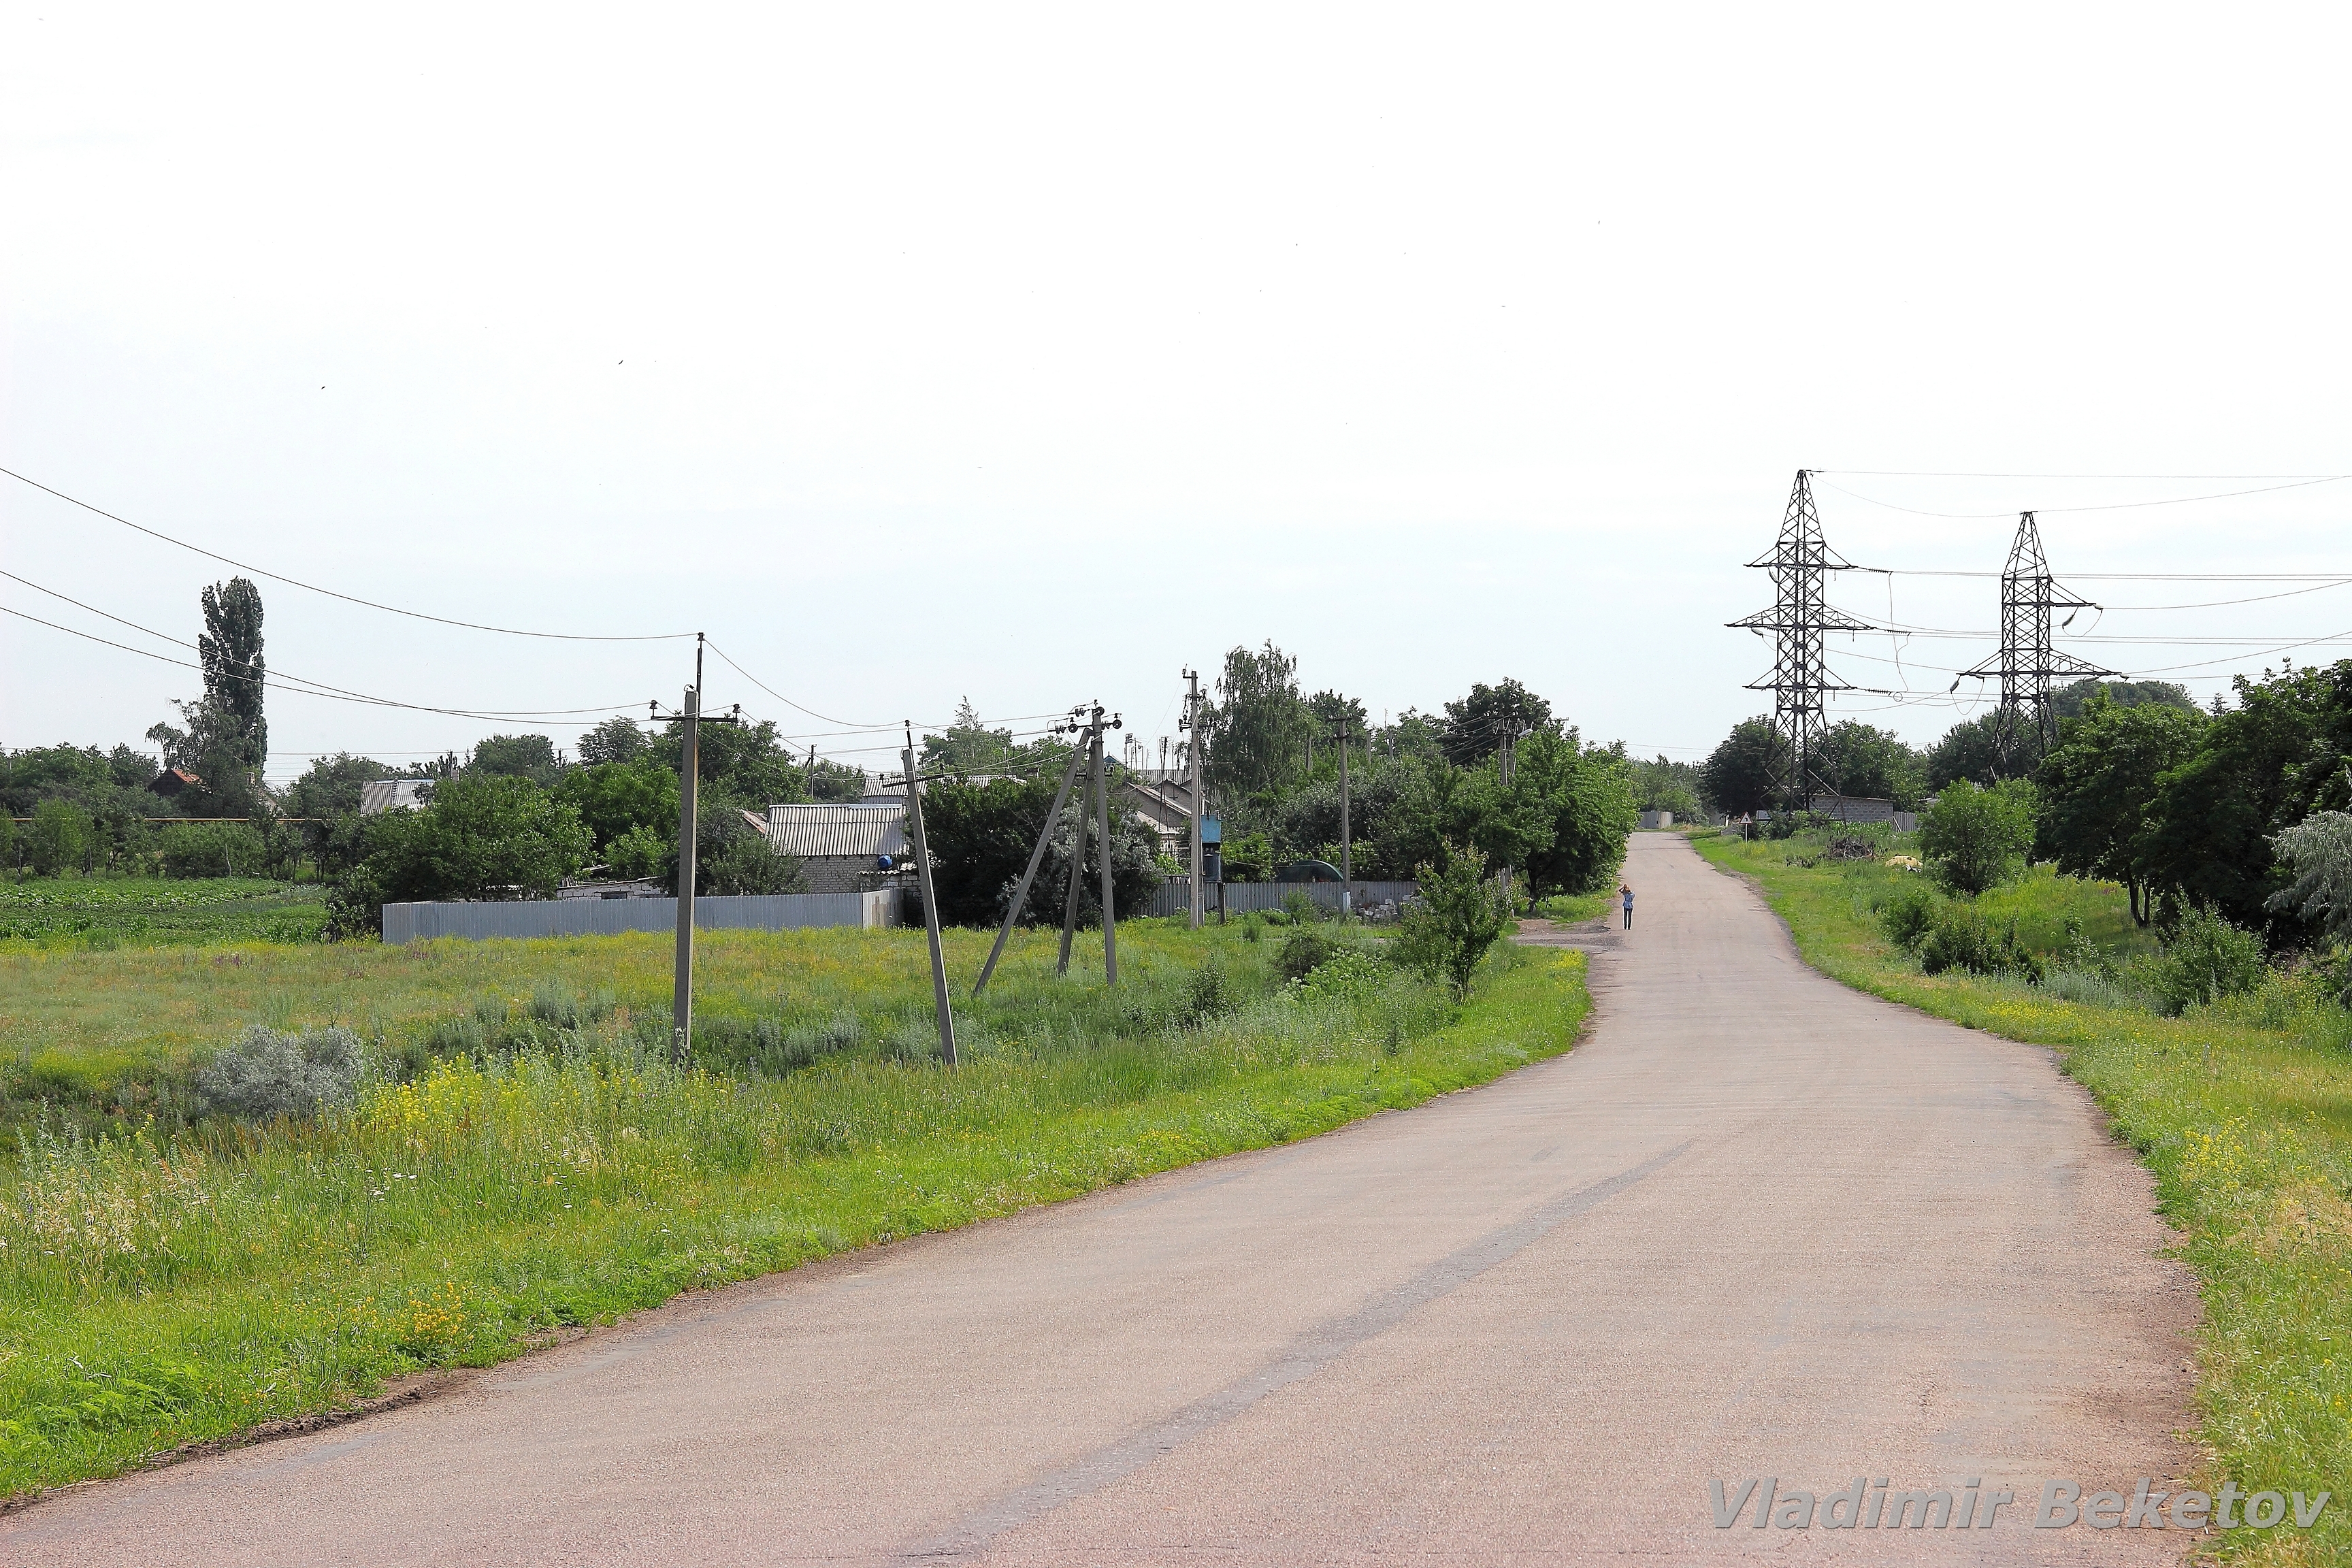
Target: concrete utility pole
<point>1102,826</point>
<point>681,1004</point>
<point>1036,858</point>
<point>1089,740</point>
<point>930,903</point>
<point>1191,724</point>
<point>1347,861</point>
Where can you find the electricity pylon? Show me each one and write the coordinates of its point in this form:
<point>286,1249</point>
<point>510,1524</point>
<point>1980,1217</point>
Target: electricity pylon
<point>2026,662</point>
<point>1801,620</point>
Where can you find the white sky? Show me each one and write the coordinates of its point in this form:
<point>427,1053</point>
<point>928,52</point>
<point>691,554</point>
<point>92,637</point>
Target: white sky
<point>1034,354</point>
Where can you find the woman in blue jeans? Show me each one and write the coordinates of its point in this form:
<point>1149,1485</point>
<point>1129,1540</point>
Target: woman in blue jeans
<point>1625,891</point>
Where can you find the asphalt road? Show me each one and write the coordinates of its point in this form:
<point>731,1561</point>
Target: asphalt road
<point>1756,1225</point>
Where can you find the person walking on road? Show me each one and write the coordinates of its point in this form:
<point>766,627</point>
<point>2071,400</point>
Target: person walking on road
<point>1625,891</point>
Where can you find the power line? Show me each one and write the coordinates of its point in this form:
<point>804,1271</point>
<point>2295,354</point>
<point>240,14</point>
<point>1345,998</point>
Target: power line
<point>2111,506</point>
<point>1931,474</point>
<point>346,598</point>
<point>329,694</point>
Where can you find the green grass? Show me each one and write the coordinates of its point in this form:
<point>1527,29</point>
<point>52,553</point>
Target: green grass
<point>161,1289</point>
<point>2243,1111</point>
<point>106,912</point>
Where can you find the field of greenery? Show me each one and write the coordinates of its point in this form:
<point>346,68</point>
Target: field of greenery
<point>2240,1105</point>
<point>103,912</point>
<point>517,1152</point>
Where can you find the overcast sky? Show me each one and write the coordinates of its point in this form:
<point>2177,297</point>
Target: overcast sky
<point>1034,355</point>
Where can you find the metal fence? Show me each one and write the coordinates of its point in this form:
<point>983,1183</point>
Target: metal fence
<point>603,916</point>
<point>1175,895</point>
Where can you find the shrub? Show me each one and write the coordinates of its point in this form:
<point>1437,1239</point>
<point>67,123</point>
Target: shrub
<point>2205,958</point>
<point>1976,839</point>
<point>1909,915</point>
<point>2088,985</point>
<point>554,1001</point>
<point>1457,919</point>
<point>58,839</point>
<point>1301,951</point>
<point>270,1074</point>
<point>1789,824</point>
<point>213,849</point>
<point>1207,994</point>
<point>1300,907</point>
<point>1957,937</point>
<point>1350,974</point>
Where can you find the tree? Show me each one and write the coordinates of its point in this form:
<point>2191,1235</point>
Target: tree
<point>981,836</point>
<point>528,757</point>
<point>2318,852</point>
<point>1256,731</point>
<point>615,740</point>
<point>2258,769</point>
<point>614,798</point>
<point>1663,786</point>
<point>230,651</point>
<point>1475,725</point>
<point>1864,763</point>
<point>1971,749</point>
<point>1458,923</point>
<point>1738,777</point>
<point>58,840</point>
<point>968,746</point>
<point>483,834</point>
<point>1976,839</point>
<point>2098,790</point>
<point>1586,796</point>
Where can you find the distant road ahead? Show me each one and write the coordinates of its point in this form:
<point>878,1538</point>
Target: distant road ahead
<point>1757,1225</point>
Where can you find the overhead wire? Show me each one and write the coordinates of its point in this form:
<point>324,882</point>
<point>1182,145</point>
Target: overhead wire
<point>2111,506</point>
<point>333,593</point>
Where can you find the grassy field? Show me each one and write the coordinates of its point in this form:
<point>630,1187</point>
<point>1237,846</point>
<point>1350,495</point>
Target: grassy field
<point>106,912</point>
<point>2242,1109</point>
<point>520,1159</point>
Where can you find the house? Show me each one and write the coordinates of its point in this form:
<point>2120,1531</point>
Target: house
<point>172,781</point>
<point>1163,803</point>
<point>382,794</point>
<point>840,847</point>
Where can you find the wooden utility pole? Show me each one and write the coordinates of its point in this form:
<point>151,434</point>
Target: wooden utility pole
<point>1102,832</point>
<point>1192,727</point>
<point>930,902</point>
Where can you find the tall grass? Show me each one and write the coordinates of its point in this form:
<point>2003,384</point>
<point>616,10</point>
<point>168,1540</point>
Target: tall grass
<point>2241,1108</point>
<point>159,1288</point>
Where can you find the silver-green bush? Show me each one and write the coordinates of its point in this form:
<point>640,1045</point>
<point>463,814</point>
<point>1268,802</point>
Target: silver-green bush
<point>269,1073</point>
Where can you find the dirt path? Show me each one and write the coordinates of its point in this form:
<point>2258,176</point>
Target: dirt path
<point>1757,1225</point>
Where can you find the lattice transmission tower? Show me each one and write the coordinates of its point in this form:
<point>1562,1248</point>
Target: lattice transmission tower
<point>1801,620</point>
<point>2026,662</point>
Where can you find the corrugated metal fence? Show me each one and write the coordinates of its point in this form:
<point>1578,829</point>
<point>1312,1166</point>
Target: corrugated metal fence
<point>1175,895</point>
<point>600,917</point>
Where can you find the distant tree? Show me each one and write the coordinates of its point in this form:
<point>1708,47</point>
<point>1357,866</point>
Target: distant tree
<point>1256,730</point>
<point>615,740</point>
<point>1976,839</point>
<point>58,840</point>
<point>230,651</point>
<point>745,763</point>
<point>830,780</point>
<point>1586,796</point>
<point>2099,790</point>
<point>1971,749</point>
<point>528,757</point>
<point>1474,725</point>
<point>1663,786</point>
<point>330,787</point>
<point>1868,763</point>
<point>1738,775</point>
<point>968,745</point>
<point>981,836</point>
<point>615,798</point>
<point>482,834</point>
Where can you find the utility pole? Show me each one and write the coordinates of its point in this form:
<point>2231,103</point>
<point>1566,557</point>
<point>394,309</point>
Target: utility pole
<point>1036,858</point>
<point>2027,661</point>
<point>1078,847</point>
<point>1191,724</point>
<point>1345,733</point>
<point>681,992</point>
<point>930,903</point>
<point>1102,826</point>
<point>1800,621</point>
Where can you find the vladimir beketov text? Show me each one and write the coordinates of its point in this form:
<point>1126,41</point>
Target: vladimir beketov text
<point>1870,1505</point>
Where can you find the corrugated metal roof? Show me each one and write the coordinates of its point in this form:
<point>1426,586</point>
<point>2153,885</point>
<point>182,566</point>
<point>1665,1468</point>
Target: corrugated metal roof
<point>828,831</point>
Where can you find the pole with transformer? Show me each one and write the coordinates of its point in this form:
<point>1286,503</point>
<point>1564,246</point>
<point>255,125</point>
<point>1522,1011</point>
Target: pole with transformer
<point>930,903</point>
